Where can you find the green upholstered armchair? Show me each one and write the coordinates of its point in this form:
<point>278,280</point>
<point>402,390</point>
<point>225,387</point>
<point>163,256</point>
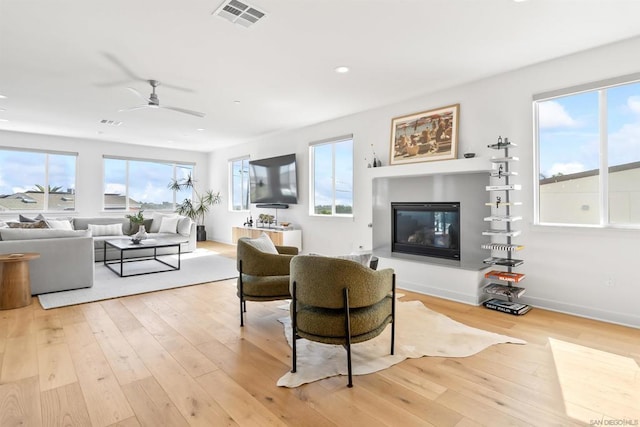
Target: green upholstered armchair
<point>263,276</point>
<point>338,301</point>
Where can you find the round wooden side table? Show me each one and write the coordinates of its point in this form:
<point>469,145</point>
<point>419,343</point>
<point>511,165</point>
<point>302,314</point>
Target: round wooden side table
<point>15,286</point>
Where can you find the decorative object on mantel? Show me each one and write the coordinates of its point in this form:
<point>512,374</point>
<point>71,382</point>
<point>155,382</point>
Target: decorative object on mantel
<point>375,162</point>
<point>425,136</point>
<point>198,209</point>
<point>469,155</point>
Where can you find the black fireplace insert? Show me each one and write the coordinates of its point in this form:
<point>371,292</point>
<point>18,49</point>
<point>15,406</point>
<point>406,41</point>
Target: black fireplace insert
<point>428,229</point>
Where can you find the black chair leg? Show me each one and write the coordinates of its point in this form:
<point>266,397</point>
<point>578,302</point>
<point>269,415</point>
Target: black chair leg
<point>241,292</point>
<point>347,326</point>
<point>294,330</point>
<point>393,313</point>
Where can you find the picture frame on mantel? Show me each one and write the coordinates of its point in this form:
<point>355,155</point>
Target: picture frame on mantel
<point>426,136</point>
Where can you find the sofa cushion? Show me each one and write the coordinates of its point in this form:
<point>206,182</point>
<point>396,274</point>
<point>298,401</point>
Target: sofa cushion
<point>105,229</point>
<point>59,224</point>
<point>157,220</point>
<point>83,223</point>
<point>36,224</point>
<point>184,226</point>
<point>169,224</point>
<point>31,234</point>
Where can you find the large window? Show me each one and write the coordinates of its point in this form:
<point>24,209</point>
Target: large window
<point>239,184</point>
<point>588,143</point>
<point>37,181</point>
<point>331,177</point>
<point>133,184</point>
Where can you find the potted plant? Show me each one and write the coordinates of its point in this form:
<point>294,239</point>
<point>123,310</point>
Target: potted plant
<point>196,207</point>
<point>136,220</point>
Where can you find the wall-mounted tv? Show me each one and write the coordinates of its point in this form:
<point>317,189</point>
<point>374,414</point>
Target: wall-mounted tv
<point>273,180</point>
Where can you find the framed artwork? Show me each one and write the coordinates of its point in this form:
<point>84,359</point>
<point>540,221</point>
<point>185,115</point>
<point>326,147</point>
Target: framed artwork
<point>426,136</point>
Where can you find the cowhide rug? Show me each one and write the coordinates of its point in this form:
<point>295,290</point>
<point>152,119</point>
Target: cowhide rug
<point>419,332</point>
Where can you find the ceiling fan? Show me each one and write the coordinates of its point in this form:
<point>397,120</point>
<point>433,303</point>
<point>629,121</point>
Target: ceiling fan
<point>153,102</point>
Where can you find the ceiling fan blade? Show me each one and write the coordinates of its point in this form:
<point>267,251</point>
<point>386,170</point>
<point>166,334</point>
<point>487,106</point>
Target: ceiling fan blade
<point>135,108</point>
<point>184,89</point>
<point>138,94</point>
<point>114,60</point>
<point>184,110</point>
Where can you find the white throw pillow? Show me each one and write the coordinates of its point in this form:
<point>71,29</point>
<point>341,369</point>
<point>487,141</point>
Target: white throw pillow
<point>105,230</point>
<point>169,224</point>
<point>184,225</point>
<point>157,220</point>
<point>263,244</point>
<point>59,224</point>
<point>363,259</point>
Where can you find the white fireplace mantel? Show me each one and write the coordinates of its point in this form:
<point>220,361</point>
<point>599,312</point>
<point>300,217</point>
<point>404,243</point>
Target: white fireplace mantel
<point>448,167</point>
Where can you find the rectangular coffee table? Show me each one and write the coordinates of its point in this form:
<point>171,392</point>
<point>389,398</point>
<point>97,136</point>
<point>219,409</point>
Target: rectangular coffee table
<point>126,245</point>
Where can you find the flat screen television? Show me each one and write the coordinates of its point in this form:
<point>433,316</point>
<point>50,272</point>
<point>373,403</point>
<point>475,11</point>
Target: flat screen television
<point>273,180</point>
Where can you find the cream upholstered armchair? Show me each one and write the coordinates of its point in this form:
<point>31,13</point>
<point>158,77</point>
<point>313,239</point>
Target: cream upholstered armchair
<point>263,271</point>
<point>338,301</point>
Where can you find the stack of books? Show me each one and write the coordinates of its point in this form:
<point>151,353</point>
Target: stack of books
<point>514,308</point>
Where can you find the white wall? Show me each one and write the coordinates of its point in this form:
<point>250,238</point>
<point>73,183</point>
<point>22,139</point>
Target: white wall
<point>567,268</point>
<point>89,186</point>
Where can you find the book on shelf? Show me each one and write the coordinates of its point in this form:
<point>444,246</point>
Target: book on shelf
<point>503,218</point>
<point>501,145</point>
<point>504,290</point>
<point>504,159</point>
<point>502,247</point>
<point>500,174</point>
<point>507,262</point>
<point>507,306</point>
<point>506,276</point>
<point>498,204</point>
<point>503,187</point>
<point>508,233</point>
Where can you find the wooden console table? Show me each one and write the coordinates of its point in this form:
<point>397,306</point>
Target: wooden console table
<point>278,237</point>
<point>15,286</point>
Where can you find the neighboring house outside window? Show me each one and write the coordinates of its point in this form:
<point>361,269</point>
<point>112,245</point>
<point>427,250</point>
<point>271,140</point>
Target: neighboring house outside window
<point>588,155</point>
<point>36,180</point>
<point>239,184</point>
<point>331,177</point>
<point>134,184</point>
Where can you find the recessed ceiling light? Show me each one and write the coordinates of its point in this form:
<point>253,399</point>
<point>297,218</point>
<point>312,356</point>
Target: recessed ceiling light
<point>2,96</point>
<point>519,1</point>
<point>201,129</point>
<point>236,102</point>
<point>342,69</point>
<point>2,109</point>
<point>4,120</point>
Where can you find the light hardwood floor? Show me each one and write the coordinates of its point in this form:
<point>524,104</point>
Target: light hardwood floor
<point>178,357</point>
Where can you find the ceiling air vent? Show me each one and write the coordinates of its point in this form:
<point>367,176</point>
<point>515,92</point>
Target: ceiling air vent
<point>239,13</point>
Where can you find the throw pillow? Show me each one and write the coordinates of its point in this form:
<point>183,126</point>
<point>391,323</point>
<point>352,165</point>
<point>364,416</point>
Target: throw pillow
<point>23,218</point>
<point>36,224</point>
<point>263,244</point>
<point>363,259</point>
<point>169,224</point>
<point>59,224</point>
<point>184,225</point>
<point>157,220</point>
<point>105,230</point>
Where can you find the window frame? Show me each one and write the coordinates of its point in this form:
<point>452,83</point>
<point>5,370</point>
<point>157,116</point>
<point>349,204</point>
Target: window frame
<point>312,194</point>
<point>231,186</point>
<point>47,153</point>
<point>603,165</point>
<point>174,164</point>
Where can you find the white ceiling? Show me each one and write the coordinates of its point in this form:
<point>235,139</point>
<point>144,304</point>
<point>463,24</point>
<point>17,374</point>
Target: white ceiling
<point>66,64</point>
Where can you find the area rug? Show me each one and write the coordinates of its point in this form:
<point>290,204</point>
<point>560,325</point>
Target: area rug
<point>200,266</point>
<point>419,332</point>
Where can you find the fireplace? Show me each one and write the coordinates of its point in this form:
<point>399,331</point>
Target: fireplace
<point>428,229</point>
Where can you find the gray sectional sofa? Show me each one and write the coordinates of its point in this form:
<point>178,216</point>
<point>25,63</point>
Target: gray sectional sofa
<point>67,257</point>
